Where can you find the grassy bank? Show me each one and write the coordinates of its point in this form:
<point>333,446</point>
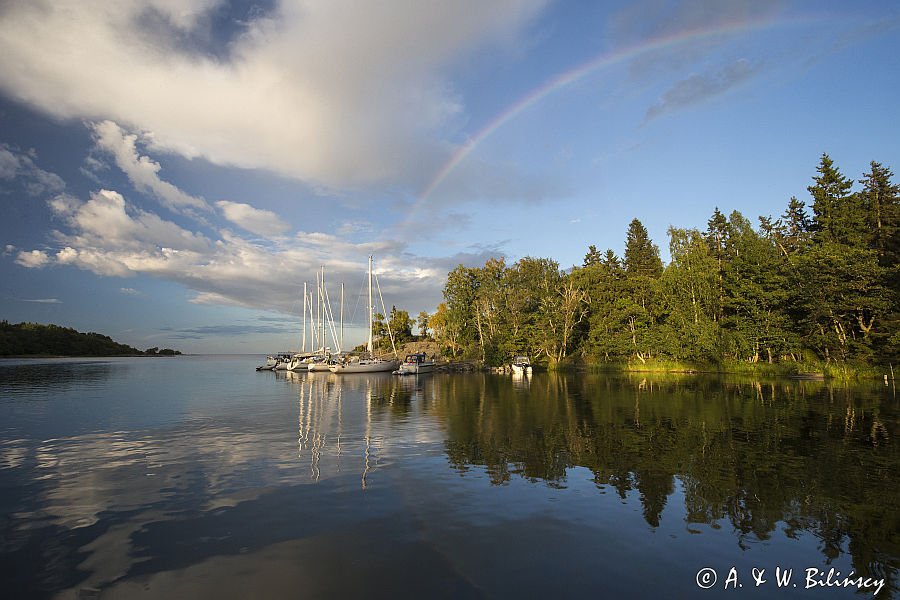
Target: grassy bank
<point>832,371</point>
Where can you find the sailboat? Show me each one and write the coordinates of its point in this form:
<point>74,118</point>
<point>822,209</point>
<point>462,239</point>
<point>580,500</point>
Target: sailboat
<point>321,323</point>
<point>300,360</point>
<point>371,364</point>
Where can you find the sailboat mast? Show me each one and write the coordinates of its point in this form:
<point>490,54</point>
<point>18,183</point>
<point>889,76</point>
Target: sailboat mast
<point>322,293</point>
<point>341,349</point>
<point>369,345</point>
<point>303,349</point>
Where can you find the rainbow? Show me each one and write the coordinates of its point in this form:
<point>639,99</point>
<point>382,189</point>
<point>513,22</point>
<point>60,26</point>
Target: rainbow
<point>567,78</point>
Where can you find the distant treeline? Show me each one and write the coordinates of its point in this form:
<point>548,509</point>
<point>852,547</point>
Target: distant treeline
<point>800,288</point>
<point>29,339</point>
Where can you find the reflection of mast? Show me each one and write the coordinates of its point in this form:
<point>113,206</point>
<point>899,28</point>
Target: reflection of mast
<point>368,435</point>
<point>321,408</point>
<point>369,342</point>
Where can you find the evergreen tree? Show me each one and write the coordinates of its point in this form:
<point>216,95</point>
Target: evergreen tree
<point>611,262</point>
<point>838,215</point>
<point>592,257</point>
<point>881,205</point>
<point>641,254</point>
<point>881,202</point>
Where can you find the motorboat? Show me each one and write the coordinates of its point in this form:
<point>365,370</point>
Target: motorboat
<point>521,365</point>
<point>283,359</point>
<point>416,363</point>
<point>270,364</point>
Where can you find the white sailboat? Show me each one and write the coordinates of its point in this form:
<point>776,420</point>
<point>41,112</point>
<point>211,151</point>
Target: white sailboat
<point>371,364</point>
<point>301,359</point>
<point>321,320</point>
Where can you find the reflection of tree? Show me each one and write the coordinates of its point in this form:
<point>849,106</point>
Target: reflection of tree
<point>800,456</point>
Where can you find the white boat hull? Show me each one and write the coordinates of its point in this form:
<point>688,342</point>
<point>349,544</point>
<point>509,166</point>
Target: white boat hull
<point>416,369</point>
<point>366,366</point>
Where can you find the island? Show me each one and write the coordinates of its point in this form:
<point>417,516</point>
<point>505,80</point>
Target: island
<point>35,339</point>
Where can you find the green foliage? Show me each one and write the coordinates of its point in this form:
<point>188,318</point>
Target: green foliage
<point>641,254</point>
<point>422,324</point>
<point>819,293</point>
<point>33,339</point>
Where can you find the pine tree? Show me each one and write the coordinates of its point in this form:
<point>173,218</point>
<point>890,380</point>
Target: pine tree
<point>881,202</point>
<point>592,257</point>
<point>838,215</point>
<point>881,205</point>
<point>641,254</point>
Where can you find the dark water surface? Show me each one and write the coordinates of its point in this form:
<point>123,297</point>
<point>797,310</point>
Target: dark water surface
<point>196,477</point>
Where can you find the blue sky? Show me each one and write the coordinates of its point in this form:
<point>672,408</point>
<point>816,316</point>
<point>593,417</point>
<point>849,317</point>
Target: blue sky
<point>173,171</point>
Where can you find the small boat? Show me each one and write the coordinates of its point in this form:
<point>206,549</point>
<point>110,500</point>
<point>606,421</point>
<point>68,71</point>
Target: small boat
<point>283,360</point>
<point>416,363</point>
<point>271,363</point>
<point>521,365</point>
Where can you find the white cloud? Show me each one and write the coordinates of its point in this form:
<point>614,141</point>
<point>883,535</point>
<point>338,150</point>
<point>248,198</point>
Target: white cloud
<point>106,222</point>
<point>261,222</point>
<point>142,171</point>
<point>291,94</point>
<point>108,236</point>
<point>130,291</point>
<point>33,260</point>
<point>44,300</point>
<point>19,166</point>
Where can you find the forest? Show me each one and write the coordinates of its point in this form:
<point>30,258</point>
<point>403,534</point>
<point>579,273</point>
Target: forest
<point>33,339</point>
<point>817,285</point>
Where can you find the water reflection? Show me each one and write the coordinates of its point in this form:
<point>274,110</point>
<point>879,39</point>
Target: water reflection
<point>32,379</point>
<point>275,485</point>
<point>800,456</point>
<point>346,422</point>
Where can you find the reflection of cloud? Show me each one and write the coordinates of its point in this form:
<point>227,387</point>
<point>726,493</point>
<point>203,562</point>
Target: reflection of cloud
<point>698,88</point>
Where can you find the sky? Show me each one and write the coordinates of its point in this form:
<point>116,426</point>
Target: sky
<point>173,171</point>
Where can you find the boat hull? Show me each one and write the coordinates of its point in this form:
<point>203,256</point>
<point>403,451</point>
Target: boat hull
<point>377,366</point>
<point>416,369</point>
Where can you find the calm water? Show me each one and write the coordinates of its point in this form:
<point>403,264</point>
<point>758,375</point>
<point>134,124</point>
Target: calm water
<point>197,477</point>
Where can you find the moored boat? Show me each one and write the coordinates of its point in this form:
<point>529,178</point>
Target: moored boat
<point>521,364</point>
<point>416,363</point>
<point>270,364</point>
<point>320,363</point>
<point>365,365</point>
<point>371,364</point>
